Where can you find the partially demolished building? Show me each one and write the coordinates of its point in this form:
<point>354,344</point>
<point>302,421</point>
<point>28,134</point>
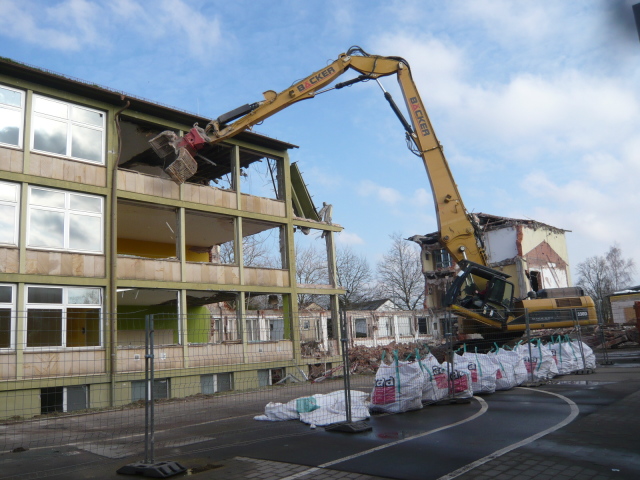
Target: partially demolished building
<point>96,236</point>
<point>534,255</point>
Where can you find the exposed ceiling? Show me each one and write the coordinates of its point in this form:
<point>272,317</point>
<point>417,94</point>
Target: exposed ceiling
<point>152,223</point>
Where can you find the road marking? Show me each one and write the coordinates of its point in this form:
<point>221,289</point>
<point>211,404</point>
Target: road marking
<point>483,409</point>
<point>574,413</point>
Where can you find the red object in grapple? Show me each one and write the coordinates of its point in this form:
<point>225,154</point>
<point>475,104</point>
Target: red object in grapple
<point>193,141</point>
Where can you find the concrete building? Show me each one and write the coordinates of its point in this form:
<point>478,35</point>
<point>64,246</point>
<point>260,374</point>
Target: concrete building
<point>96,235</point>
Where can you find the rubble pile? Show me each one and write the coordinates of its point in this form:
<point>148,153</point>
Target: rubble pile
<point>615,336</point>
<point>366,360</point>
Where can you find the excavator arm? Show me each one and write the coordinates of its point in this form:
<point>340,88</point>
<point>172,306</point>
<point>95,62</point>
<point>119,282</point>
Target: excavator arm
<point>456,226</point>
<point>459,232</point>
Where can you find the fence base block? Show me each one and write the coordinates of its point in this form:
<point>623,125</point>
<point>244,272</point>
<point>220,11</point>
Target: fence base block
<point>349,427</point>
<point>153,470</point>
<point>584,371</point>
<point>536,383</point>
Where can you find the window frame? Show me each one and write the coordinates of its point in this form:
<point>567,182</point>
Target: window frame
<point>70,123</point>
<point>67,211</point>
<point>63,307</point>
<point>442,259</point>
<point>16,216</point>
<point>21,110</point>
<point>12,323</point>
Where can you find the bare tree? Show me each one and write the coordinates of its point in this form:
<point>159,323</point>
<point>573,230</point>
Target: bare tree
<point>601,276</point>
<point>354,275</point>
<point>311,269</point>
<point>621,270</point>
<point>255,253</point>
<point>400,273</point>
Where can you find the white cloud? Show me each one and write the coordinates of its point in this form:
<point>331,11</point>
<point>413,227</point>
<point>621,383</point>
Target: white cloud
<point>387,195</point>
<point>74,25</point>
<point>17,21</point>
<point>347,238</point>
<point>505,20</point>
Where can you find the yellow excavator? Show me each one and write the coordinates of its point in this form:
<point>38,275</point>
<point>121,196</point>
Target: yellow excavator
<point>478,293</point>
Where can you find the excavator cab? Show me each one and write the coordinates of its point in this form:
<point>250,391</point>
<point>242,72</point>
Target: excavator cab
<point>482,293</point>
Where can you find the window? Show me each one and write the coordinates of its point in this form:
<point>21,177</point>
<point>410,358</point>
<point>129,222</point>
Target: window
<point>68,130</point>
<point>7,315</point>
<point>270,376</point>
<point>422,326</point>
<point>362,331</point>
<point>442,259</point>
<point>63,316</point>
<point>221,382</point>
<point>404,325</point>
<point>253,329</point>
<point>161,389</point>
<point>9,212</point>
<point>64,220</point>
<point>64,399</point>
<point>384,327</point>
<point>11,116</point>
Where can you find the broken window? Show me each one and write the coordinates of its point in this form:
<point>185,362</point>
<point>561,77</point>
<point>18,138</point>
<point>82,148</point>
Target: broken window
<point>270,376</point>
<point>212,316</point>
<point>66,129</point>
<point>442,259</point>
<point>63,316</point>
<point>146,230</point>
<point>11,116</point>
<point>9,212</point>
<point>311,262</point>
<point>263,244</point>
<point>210,238</point>
<point>260,175</point>
<point>422,325</point>
<point>215,164</point>
<point>135,304</point>
<point>60,219</point>
<point>265,318</point>
<point>136,153</point>
<point>535,280</point>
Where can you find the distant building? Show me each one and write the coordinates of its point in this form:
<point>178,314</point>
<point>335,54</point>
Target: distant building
<point>534,255</point>
<point>622,305</point>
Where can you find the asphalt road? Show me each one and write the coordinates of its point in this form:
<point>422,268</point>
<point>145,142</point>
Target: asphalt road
<point>425,444</point>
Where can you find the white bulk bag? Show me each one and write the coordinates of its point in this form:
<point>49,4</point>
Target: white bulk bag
<point>436,386</point>
<point>541,362</point>
<point>511,370</point>
<point>398,387</point>
<point>482,370</point>
<point>565,356</point>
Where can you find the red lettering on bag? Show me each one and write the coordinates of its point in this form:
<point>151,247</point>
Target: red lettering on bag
<point>383,395</point>
<point>441,381</point>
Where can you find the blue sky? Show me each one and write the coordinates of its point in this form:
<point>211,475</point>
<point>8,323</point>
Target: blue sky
<point>537,104</point>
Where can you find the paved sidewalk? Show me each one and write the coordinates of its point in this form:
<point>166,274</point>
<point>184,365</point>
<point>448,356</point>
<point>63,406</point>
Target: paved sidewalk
<point>603,445</point>
<point>241,468</point>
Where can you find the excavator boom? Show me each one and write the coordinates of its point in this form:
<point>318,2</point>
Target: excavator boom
<point>459,233</point>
